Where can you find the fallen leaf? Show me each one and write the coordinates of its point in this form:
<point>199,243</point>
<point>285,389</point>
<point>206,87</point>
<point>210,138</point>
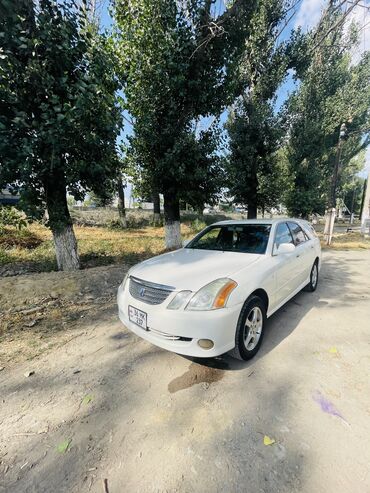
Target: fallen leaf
<point>63,446</point>
<point>2,368</point>
<point>333,350</point>
<point>267,440</point>
<point>87,399</point>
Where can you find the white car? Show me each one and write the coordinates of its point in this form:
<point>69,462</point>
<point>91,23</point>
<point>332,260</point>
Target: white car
<point>215,294</point>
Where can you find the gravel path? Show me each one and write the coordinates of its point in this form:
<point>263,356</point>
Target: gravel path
<point>107,412</point>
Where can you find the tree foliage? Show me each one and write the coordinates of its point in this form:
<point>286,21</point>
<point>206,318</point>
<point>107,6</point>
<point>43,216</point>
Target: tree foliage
<point>58,117</point>
<point>255,131</point>
<point>254,136</point>
<point>332,91</point>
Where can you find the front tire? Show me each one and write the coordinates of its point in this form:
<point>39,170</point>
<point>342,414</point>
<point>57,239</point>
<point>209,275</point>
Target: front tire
<point>250,329</point>
<point>314,278</point>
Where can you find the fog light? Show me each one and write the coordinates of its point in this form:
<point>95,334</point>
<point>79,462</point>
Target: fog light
<point>205,343</point>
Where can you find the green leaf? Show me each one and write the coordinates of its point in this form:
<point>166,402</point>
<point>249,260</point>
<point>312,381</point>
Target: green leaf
<point>64,446</point>
<point>87,399</point>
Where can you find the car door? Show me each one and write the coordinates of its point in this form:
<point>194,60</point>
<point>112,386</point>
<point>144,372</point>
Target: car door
<point>286,265</point>
<point>304,251</point>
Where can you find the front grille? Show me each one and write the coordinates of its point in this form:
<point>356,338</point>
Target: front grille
<point>148,292</point>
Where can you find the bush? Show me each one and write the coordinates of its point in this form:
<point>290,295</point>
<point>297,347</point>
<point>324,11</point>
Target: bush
<point>10,216</point>
<point>108,217</point>
<point>139,218</point>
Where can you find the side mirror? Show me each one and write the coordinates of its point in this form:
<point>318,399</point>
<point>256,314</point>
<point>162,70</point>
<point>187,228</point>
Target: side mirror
<point>185,243</point>
<point>284,248</point>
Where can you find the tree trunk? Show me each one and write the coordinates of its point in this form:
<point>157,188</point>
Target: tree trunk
<point>352,216</point>
<point>252,211</point>
<point>363,199</point>
<point>172,221</point>
<point>252,195</point>
<point>121,204</point>
<point>66,248</point>
<point>60,223</point>
<point>156,208</point>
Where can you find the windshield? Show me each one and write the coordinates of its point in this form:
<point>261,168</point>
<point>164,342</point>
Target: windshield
<point>244,238</point>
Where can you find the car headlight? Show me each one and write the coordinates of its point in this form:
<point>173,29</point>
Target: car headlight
<point>212,296</point>
<point>179,300</point>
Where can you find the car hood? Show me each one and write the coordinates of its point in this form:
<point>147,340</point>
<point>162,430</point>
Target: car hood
<point>191,269</point>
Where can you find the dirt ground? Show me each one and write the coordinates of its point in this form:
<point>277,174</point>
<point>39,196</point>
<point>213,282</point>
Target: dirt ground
<point>105,411</point>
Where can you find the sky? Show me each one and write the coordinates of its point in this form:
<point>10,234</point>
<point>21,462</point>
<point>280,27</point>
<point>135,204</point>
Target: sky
<point>307,16</point>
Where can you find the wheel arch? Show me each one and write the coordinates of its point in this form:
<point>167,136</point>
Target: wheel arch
<point>261,293</point>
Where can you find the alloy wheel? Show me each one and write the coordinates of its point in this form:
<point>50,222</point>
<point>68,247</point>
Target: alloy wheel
<point>253,328</point>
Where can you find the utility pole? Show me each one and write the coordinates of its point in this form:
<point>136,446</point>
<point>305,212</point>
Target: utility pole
<point>365,215</point>
<point>352,215</point>
<point>331,211</point>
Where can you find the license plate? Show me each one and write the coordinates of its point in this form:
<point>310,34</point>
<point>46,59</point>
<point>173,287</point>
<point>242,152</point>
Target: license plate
<point>137,317</point>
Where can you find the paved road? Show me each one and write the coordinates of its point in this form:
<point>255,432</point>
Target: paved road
<point>150,421</point>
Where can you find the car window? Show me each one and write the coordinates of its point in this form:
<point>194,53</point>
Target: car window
<point>283,235</point>
<point>299,236</point>
<point>243,238</point>
<point>311,229</point>
<point>209,239</point>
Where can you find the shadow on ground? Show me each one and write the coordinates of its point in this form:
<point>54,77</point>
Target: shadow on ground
<point>152,423</point>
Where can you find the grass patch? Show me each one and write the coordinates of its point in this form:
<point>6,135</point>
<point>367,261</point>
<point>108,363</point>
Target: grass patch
<point>97,246</point>
<point>99,241</point>
<point>32,248</point>
<point>11,237</point>
<point>346,241</point>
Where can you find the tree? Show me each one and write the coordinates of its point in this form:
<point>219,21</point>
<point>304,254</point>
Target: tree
<point>254,130</point>
<point>58,117</point>
<point>179,62</point>
<point>332,91</point>
<point>253,133</point>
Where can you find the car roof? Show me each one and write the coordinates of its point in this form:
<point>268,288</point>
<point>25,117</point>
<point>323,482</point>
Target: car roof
<point>255,221</point>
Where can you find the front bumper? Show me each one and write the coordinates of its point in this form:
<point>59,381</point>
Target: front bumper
<point>166,326</point>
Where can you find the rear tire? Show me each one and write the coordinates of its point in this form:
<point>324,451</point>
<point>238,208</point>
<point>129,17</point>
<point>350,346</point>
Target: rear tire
<point>250,329</point>
<point>314,278</point>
